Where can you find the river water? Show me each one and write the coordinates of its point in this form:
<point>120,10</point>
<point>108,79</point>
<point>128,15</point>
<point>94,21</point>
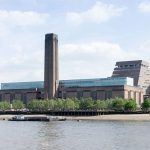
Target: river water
<point>73,135</point>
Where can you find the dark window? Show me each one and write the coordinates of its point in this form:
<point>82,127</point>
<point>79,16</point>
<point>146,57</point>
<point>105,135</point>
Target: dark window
<point>108,94</point>
<point>131,65</point>
<point>79,94</point>
<point>94,95</point>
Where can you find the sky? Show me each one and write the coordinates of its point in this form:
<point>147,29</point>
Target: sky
<point>92,36</point>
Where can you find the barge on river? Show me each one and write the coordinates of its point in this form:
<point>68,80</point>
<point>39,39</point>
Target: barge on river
<point>36,118</point>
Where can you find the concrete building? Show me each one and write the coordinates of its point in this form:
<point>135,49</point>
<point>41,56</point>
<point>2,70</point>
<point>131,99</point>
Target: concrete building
<point>119,85</point>
<point>136,69</point>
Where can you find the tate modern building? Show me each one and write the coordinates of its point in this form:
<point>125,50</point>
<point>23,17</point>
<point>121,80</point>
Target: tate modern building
<point>130,79</point>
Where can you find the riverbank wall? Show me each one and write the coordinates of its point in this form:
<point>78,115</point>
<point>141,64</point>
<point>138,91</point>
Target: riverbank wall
<point>73,113</point>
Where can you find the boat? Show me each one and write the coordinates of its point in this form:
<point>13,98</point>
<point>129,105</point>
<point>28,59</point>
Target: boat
<point>29,118</point>
<point>36,118</point>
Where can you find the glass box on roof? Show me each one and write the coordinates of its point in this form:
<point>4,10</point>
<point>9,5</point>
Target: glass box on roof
<point>111,81</point>
<point>22,85</point>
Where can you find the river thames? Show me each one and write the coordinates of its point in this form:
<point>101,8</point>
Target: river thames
<point>73,135</point>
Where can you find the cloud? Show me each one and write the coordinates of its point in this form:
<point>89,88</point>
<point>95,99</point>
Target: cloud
<point>22,63</point>
<point>22,18</point>
<point>144,50</point>
<point>144,7</point>
<point>21,49</point>
<point>91,60</point>
<point>98,13</point>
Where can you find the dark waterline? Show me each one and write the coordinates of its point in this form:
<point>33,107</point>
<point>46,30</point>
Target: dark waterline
<point>73,135</point>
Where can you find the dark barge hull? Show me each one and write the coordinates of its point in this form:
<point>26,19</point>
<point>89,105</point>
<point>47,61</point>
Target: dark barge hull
<point>31,119</point>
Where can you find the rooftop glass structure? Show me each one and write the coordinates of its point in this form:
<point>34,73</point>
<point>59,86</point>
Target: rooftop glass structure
<point>111,81</point>
<point>22,85</point>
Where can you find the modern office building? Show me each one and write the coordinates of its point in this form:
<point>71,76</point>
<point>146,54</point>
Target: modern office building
<point>126,81</point>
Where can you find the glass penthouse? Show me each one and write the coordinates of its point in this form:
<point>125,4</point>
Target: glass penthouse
<point>71,83</point>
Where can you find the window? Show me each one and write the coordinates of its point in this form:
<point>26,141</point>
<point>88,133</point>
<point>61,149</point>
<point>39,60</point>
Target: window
<point>108,94</point>
<point>94,95</point>
<point>79,94</point>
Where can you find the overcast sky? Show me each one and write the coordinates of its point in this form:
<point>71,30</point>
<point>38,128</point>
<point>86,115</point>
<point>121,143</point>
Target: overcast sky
<point>93,35</point>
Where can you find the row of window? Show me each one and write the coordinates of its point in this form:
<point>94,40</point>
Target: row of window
<point>129,66</point>
<point>94,95</point>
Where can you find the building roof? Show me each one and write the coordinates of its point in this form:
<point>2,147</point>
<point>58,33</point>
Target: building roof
<point>110,81</point>
<point>132,62</point>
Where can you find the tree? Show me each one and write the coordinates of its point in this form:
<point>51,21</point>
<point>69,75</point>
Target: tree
<point>4,106</point>
<point>33,105</point>
<point>77,103</point>
<point>146,105</point>
<point>17,104</point>
<point>69,104</point>
<point>87,104</point>
<point>130,105</point>
<point>118,104</point>
<point>51,104</point>
<point>100,105</point>
<point>59,105</point>
<point>109,104</point>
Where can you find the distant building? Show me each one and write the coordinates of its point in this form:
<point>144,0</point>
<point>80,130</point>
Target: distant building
<point>136,69</point>
<point>128,81</point>
<point>100,88</point>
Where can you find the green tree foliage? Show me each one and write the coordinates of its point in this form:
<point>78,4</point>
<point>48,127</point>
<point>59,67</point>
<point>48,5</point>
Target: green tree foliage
<point>118,104</point>
<point>34,105</point>
<point>17,104</point>
<point>77,103</point>
<point>69,104</point>
<point>100,105</point>
<point>83,104</point>
<point>146,105</point>
<point>51,104</point>
<point>5,106</point>
<point>109,104</point>
<point>86,104</point>
<point>41,105</point>
<point>130,105</point>
<point>59,105</point>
